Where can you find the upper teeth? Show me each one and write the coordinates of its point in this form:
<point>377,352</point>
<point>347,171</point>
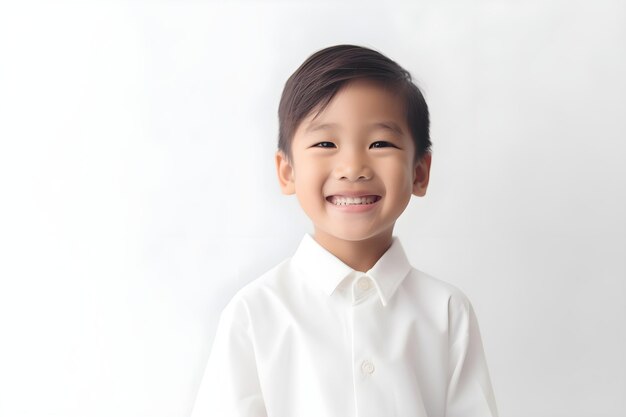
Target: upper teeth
<point>342,201</point>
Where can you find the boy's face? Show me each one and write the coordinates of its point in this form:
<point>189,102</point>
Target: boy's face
<point>352,168</point>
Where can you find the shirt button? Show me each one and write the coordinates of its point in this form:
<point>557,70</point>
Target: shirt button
<point>364,284</point>
<point>367,367</point>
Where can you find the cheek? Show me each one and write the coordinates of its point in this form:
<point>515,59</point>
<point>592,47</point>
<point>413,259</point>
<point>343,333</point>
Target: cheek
<point>310,172</point>
<point>309,180</point>
<point>399,178</point>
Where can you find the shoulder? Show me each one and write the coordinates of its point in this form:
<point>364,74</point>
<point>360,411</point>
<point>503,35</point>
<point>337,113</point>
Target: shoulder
<point>276,279</point>
<point>442,303</point>
<point>264,290</point>
<point>432,287</point>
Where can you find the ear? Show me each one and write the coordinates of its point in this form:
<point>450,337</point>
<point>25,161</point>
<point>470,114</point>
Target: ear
<point>422,175</point>
<point>285,173</point>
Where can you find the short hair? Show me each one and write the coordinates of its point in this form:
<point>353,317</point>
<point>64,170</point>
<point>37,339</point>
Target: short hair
<point>314,84</point>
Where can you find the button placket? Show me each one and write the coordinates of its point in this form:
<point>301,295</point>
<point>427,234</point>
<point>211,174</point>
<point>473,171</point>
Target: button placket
<point>367,367</point>
<point>361,285</point>
<point>364,283</point>
<point>369,398</point>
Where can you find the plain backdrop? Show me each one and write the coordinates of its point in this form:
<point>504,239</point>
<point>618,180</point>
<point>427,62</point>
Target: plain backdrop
<point>138,190</point>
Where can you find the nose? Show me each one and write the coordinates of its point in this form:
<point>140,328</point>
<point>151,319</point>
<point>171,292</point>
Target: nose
<point>353,167</point>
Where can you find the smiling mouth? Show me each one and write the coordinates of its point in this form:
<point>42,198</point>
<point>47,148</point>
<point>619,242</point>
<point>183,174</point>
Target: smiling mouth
<point>352,201</point>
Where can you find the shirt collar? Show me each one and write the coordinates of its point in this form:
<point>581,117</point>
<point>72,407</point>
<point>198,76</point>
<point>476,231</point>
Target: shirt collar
<point>325,271</point>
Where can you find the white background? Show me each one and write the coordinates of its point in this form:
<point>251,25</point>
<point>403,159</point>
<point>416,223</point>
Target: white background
<point>138,190</point>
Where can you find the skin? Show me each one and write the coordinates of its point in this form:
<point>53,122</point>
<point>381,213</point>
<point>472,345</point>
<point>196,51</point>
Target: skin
<point>354,155</point>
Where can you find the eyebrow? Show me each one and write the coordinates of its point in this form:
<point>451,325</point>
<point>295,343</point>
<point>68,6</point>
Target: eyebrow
<point>387,125</point>
<point>314,127</point>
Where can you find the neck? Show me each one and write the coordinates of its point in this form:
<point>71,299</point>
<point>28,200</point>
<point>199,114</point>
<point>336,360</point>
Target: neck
<point>360,255</point>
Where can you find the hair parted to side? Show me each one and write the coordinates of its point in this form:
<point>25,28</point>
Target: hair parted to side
<point>314,84</point>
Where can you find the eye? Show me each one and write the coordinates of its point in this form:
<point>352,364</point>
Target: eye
<point>324,145</point>
<point>382,144</point>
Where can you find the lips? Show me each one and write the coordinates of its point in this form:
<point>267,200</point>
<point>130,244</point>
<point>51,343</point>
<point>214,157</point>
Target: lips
<point>344,200</point>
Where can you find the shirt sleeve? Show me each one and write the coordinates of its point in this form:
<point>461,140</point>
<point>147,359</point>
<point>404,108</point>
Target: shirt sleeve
<point>470,393</point>
<point>230,386</point>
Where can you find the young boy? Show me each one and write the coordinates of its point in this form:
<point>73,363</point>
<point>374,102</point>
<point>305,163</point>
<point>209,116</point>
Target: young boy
<point>346,327</point>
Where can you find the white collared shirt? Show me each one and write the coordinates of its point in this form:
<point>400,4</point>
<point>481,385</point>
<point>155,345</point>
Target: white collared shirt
<point>314,338</point>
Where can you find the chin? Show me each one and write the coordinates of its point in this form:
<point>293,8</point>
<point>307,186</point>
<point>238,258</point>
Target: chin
<point>353,235</point>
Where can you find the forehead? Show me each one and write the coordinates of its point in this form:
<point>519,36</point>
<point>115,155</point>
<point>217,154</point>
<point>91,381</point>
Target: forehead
<point>359,104</point>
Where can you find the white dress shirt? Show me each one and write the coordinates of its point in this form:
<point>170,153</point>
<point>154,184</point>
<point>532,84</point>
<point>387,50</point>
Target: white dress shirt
<point>314,338</point>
